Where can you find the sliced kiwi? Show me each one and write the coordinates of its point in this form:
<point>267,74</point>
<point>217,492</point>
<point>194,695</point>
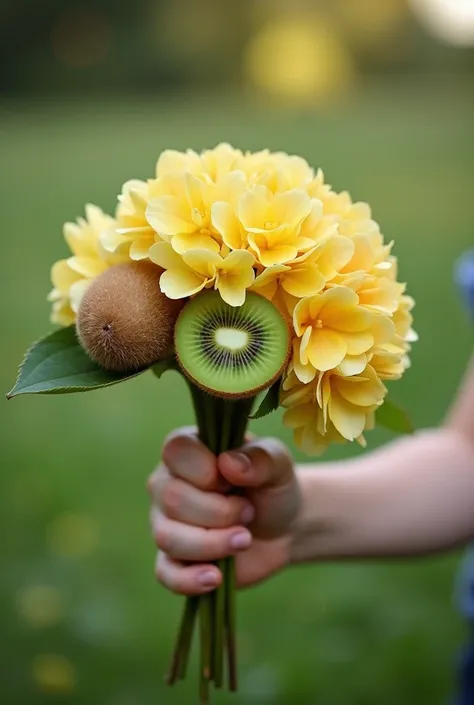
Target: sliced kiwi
<point>231,351</point>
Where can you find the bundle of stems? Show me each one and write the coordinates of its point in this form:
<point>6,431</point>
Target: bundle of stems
<point>222,424</point>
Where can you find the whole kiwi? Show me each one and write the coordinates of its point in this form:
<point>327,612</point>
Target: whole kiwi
<point>124,321</point>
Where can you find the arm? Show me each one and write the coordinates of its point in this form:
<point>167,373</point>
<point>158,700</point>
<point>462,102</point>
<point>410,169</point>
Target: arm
<point>414,496</point>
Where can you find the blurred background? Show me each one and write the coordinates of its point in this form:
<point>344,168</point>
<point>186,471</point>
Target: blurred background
<point>380,95</point>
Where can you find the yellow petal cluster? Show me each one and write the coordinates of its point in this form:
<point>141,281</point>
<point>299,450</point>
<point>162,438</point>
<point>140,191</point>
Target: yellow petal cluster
<point>231,220</point>
<point>71,277</point>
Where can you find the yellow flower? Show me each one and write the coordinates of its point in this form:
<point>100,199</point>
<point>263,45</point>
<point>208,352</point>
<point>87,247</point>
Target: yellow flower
<point>173,162</point>
<point>131,234</point>
<point>277,171</point>
<point>332,326</point>
<point>180,210</point>
<point>306,275</point>
<point>213,163</point>
<point>273,223</point>
<point>71,277</point>
<point>376,293</point>
<point>391,357</point>
<point>331,408</point>
<point>403,319</point>
<point>188,274</point>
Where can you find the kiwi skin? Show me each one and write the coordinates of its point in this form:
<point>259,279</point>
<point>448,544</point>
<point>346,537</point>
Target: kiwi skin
<point>124,321</point>
<point>251,392</point>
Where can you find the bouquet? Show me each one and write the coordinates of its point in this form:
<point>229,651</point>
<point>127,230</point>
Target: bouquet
<point>249,275</point>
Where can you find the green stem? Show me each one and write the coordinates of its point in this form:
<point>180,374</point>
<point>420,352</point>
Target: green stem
<point>191,611</point>
<point>221,426</point>
<point>206,662</point>
<point>230,617</point>
<point>183,642</point>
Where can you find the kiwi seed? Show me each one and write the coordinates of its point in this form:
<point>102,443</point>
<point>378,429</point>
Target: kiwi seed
<point>124,321</point>
<point>232,351</point>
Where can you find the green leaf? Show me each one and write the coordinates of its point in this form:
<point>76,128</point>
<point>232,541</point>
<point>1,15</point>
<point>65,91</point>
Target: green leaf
<point>169,363</point>
<point>57,364</point>
<point>393,417</point>
<point>270,401</point>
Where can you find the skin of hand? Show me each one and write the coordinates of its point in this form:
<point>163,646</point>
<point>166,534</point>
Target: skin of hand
<point>194,522</point>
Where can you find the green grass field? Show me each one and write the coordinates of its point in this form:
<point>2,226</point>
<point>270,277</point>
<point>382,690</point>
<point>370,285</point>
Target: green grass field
<point>73,506</point>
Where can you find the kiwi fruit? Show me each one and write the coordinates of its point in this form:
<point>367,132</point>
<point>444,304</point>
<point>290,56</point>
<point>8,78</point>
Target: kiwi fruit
<point>231,351</point>
<point>124,321</point>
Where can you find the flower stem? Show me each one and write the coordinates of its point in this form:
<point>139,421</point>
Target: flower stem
<point>230,618</point>
<point>221,426</point>
<point>183,642</point>
<point>205,617</point>
<point>191,611</point>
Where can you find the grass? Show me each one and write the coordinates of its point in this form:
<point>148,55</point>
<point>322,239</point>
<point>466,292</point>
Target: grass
<point>73,507</point>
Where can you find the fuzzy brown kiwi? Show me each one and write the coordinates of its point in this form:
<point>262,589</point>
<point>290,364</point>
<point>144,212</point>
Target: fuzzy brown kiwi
<point>124,321</point>
<point>232,352</point>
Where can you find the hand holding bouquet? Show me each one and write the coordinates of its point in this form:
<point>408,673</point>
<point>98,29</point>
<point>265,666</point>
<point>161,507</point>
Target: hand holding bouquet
<point>248,274</point>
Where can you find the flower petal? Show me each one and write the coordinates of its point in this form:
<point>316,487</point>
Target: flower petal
<point>252,209</point>
<point>226,223</point>
<point>87,266</point>
<point>231,294</point>
<point>77,291</point>
<point>277,255</point>
<point>239,259</point>
<point>63,277</point>
<point>162,254</point>
<point>291,207</point>
<point>348,419</point>
<point>203,262</point>
<point>326,349</point>
<point>303,280</point>
<point>180,283</point>
<point>358,343</point>
<point>353,365</point>
<point>194,241</point>
<point>166,215</point>
<point>112,241</point>
<point>140,248</point>
<point>299,415</point>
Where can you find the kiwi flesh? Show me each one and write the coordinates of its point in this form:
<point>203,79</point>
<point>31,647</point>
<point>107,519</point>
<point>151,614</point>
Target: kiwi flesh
<point>232,351</point>
<point>124,321</point>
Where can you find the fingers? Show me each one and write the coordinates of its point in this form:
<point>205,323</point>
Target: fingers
<point>182,502</point>
<point>260,463</point>
<point>190,543</point>
<point>188,459</point>
<point>187,579</point>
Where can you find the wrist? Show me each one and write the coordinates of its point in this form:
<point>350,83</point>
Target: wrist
<point>321,526</point>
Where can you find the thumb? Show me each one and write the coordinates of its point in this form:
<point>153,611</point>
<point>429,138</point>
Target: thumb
<point>260,463</point>
<point>265,469</point>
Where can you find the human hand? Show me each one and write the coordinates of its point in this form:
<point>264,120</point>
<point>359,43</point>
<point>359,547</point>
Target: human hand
<point>195,523</point>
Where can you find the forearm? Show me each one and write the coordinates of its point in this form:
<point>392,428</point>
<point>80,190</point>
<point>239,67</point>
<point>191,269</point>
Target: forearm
<point>414,496</point>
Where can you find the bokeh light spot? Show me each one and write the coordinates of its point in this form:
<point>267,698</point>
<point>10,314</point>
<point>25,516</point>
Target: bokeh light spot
<point>40,605</point>
<point>54,674</point>
<point>72,535</point>
<point>81,37</point>
<point>452,21</point>
<point>299,61</point>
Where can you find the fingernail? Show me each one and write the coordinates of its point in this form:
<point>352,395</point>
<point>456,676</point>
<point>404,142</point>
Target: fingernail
<point>207,578</point>
<point>248,514</point>
<point>241,540</point>
<point>241,460</point>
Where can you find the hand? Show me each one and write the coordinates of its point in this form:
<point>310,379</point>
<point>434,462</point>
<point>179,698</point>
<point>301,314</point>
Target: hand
<point>194,523</point>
